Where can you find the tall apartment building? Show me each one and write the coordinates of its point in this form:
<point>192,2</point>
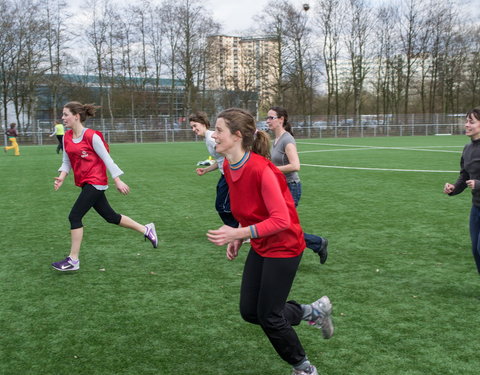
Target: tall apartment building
<point>242,64</point>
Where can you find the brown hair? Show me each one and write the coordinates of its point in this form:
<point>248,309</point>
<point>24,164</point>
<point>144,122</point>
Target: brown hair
<point>84,110</point>
<point>200,117</point>
<point>238,119</point>
<point>474,113</point>
<point>282,112</point>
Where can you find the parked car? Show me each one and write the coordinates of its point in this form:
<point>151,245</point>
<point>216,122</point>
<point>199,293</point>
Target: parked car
<point>262,125</point>
<point>320,125</point>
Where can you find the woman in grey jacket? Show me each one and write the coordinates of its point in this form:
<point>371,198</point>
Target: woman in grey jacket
<point>470,177</point>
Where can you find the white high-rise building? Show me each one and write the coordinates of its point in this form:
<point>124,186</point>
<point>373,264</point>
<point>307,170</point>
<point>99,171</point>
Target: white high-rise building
<point>242,63</point>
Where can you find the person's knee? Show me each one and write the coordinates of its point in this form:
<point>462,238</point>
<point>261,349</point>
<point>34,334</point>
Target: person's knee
<point>249,315</point>
<point>75,221</point>
<point>270,321</point>
<point>113,219</point>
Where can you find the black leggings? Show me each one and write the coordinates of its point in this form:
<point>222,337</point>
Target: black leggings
<point>265,287</point>
<point>88,198</point>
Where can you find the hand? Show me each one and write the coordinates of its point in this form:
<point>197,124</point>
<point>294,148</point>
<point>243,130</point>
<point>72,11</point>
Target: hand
<point>471,184</point>
<point>222,235</point>
<point>121,186</point>
<point>233,248</point>
<point>448,188</point>
<point>201,171</point>
<point>58,182</point>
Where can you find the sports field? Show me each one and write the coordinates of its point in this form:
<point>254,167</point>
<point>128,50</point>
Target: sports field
<point>400,273</point>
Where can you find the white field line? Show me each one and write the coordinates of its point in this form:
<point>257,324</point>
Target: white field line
<point>362,148</point>
<point>377,169</point>
<point>359,148</point>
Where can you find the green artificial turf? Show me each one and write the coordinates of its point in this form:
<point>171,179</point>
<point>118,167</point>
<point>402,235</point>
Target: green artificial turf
<point>400,273</point>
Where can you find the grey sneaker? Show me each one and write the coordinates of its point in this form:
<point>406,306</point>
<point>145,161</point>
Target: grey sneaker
<point>311,371</point>
<point>151,234</point>
<point>322,316</point>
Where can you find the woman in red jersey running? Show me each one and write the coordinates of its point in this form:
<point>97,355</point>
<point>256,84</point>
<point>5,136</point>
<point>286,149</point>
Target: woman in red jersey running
<point>86,152</point>
<point>261,201</point>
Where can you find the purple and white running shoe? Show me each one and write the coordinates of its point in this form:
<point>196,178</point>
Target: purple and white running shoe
<point>151,234</point>
<point>67,265</point>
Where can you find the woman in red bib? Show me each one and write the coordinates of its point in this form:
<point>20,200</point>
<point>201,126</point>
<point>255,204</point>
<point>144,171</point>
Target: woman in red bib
<point>262,203</point>
<point>87,154</point>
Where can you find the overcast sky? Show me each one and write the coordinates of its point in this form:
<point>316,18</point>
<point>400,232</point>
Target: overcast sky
<point>237,15</point>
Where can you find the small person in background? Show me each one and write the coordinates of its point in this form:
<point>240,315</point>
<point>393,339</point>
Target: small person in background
<point>200,125</point>
<point>87,154</point>
<point>12,135</point>
<point>59,131</point>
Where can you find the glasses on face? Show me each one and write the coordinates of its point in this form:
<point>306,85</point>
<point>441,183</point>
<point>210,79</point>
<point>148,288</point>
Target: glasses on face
<point>271,117</point>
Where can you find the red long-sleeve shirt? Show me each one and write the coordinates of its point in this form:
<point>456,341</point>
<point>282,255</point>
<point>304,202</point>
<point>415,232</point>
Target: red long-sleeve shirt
<point>260,199</point>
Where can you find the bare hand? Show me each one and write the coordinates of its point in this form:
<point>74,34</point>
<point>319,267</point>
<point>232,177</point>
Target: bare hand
<point>448,188</point>
<point>471,184</point>
<point>58,183</point>
<point>121,186</point>
<point>222,235</point>
<point>233,248</point>
<point>201,171</point>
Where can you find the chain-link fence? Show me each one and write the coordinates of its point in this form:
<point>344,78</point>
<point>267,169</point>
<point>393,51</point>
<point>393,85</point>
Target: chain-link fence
<point>160,130</point>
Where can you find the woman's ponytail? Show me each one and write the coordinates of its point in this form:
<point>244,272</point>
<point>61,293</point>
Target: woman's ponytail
<point>261,144</point>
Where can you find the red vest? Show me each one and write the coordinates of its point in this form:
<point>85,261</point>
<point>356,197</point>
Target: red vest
<point>249,208</point>
<point>88,167</point>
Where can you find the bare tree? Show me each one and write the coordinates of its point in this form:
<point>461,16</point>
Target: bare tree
<point>171,30</point>
<point>472,68</point>
<point>97,35</point>
<point>358,27</point>
<point>7,55</point>
<point>30,59</point>
<point>329,23</point>
<point>384,57</point>
<point>275,25</point>
<point>297,32</point>
<point>195,23</point>
<point>57,38</point>
<point>413,20</point>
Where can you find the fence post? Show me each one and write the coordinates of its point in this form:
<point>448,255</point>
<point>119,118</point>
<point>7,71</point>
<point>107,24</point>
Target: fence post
<point>336,126</point>
<point>135,129</point>
<point>166,130</point>
<point>40,131</point>
<point>413,128</point>
<point>426,128</point>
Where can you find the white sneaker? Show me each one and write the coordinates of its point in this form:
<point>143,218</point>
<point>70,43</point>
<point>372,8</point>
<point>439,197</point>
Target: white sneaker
<point>322,316</point>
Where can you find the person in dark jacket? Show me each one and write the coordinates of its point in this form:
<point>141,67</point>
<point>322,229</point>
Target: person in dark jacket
<point>470,177</point>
